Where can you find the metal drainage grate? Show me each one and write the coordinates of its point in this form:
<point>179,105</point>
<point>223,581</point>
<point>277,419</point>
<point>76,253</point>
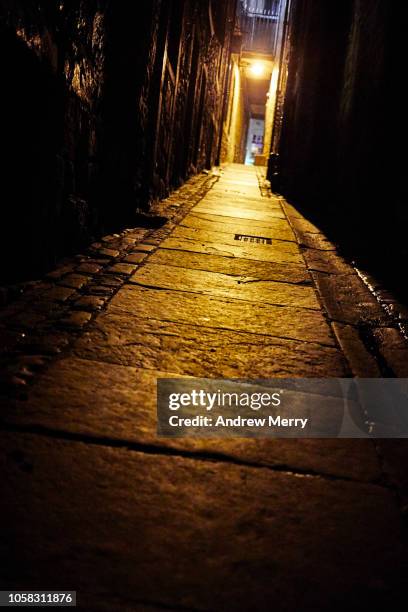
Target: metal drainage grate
<point>253,239</point>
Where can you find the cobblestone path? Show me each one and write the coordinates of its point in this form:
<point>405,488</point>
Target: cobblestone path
<point>236,284</point>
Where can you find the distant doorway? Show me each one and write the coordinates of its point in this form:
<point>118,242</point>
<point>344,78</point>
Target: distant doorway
<point>255,140</point>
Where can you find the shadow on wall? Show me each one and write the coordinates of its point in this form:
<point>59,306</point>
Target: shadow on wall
<point>31,136</point>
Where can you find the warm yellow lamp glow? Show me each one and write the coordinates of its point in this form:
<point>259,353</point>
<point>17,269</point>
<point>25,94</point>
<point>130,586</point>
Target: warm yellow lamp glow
<point>257,69</point>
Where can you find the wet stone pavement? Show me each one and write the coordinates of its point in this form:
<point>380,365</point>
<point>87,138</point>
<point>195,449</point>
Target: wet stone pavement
<point>92,500</point>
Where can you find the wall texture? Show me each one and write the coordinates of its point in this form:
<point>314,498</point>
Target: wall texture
<point>236,118</point>
<point>108,106</point>
<point>344,121</point>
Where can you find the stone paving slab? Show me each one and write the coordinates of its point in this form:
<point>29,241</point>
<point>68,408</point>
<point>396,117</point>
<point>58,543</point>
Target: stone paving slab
<point>232,266</point>
<point>249,203</point>
<point>326,261</point>
<point>233,175</point>
<point>275,223</point>
<point>231,190</point>
<point>236,315</point>
<point>225,237</point>
<point>232,211</point>
<point>393,349</point>
<point>252,200</point>
<point>394,455</point>
<point>242,184</point>
<point>175,536</point>
<point>201,351</point>
<point>279,231</point>
<point>347,299</point>
<point>117,403</point>
<point>245,250</point>
<point>362,362</point>
<point>316,241</point>
<point>242,288</point>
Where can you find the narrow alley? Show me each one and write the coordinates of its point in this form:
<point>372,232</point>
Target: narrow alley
<point>199,190</point>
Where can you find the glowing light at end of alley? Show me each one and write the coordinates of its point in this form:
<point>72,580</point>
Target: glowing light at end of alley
<point>257,69</point>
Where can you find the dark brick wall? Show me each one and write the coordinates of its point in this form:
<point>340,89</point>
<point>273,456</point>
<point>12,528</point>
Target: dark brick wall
<point>108,106</point>
<point>344,120</point>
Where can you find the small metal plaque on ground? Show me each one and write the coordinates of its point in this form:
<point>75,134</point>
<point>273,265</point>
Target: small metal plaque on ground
<point>253,239</point>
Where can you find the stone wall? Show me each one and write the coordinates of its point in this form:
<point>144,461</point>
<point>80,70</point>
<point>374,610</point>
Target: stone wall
<point>344,120</point>
<point>236,118</point>
<point>109,106</point>
<point>191,96</point>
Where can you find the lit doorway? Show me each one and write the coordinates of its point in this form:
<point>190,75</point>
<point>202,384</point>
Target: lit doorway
<point>255,140</point>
